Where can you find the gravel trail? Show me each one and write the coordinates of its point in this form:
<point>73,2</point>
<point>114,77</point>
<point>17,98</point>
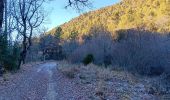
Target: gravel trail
<point>42,82</point>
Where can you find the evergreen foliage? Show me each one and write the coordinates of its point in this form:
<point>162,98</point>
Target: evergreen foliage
<point>152,15</point>
<point>88,59</point>
<point>9,54</point>
<point>58,33</point>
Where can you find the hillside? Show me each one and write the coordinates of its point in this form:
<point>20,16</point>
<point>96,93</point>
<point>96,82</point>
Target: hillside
<point>152,15</point>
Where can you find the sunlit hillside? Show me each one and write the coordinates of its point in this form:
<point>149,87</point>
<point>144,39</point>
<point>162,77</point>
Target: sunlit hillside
<point>153,15</point>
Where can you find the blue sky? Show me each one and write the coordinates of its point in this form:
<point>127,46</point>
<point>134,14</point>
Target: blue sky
<point>57,15</point>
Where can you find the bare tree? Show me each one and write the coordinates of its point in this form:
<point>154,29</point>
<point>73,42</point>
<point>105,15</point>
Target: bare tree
<point>78,4</point>
<point>1,12</point>
<point>6,22</point>
<point>10,20</point>
<point>28,15</point>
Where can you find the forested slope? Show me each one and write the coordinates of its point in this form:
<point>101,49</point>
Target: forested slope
<point>153,15</point>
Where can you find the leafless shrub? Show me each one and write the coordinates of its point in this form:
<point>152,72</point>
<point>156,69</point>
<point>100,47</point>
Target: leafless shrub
<point>143,52</point>
<point>99,46</point>
<point>33,53</point>
<point>136,51</point>
<point>69,46</point>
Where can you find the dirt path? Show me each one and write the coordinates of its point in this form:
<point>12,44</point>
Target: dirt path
<point>46,82</point>
<point>42,82</point>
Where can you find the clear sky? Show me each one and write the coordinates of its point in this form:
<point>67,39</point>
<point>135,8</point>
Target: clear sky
<point>57,15</point>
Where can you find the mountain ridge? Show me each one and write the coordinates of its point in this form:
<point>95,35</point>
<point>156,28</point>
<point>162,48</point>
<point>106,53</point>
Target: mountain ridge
<point>152,15</point>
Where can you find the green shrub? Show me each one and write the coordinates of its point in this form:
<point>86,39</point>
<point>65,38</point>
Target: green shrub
<point>11,62</point>
<point>88,59</point>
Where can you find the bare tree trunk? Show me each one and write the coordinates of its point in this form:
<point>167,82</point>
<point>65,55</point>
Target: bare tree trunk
<point>6,22</point>
<point>24,45</point>
<point>1,12</point>
<point>29,38</point>
<point>23,53</point>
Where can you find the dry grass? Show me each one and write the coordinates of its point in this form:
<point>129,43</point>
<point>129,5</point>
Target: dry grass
<point>104,74</point>
<point>104,80</point>
<point>94,72</point>
<point>70,72</point>
<point>67,69</point>
<point>101,89</point>
<point>5,78</point>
